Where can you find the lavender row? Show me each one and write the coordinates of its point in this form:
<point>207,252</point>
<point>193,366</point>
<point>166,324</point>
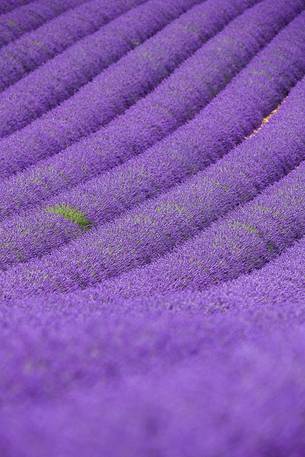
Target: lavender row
<point>279,65</point>
<point>35,48</point>
<point>62,76</point>
<point>245,239</point>
<point>31,16</point>
<point>131,78</point>
<point>177,214</point>
<point>280,282</point>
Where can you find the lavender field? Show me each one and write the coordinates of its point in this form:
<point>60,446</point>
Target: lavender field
<point>152,228</point>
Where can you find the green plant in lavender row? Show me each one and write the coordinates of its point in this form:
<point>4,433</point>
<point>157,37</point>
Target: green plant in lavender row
<point>72,214</point>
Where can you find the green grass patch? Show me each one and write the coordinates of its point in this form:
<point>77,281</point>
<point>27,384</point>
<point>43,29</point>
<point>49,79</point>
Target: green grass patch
<point>72,214</point>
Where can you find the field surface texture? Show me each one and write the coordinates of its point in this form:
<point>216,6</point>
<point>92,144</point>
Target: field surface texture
<point>152,228</point>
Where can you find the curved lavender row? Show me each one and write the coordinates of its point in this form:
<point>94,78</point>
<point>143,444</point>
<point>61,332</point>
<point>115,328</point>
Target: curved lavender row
<point>132,77</point>
<point>178,214</point>
<point>28,17</point>
<point>65,73</point>
<point>280,64</point>
<point>9,5</point>
<point>255,293</point>
<point>279,282</point>
<point>35,48</point>
<point>244,240</point>
<point>274,291</point>
<point>62,76</point>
